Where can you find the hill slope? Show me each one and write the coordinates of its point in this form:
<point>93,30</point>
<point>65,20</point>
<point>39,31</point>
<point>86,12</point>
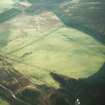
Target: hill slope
<point>53,36</point>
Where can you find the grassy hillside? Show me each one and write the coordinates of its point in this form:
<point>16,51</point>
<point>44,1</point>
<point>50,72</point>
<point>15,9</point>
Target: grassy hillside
<point>2,102</point>
<point>43,43</point>
<point>50,36</point>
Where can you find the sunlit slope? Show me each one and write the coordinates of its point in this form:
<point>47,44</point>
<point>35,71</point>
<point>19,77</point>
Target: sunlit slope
<point>50,36</point>
<point>2,102</point>
<point>40,44</point>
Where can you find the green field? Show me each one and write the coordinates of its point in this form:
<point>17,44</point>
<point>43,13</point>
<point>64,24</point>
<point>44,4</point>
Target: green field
<point>39,43</point>
<point>55,47</point>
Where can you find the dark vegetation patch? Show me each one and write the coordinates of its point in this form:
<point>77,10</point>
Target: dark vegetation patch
<point>11,78</point>
<point>7,15</point>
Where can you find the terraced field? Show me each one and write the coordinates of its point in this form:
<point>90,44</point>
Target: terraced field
<point>41,36</point>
